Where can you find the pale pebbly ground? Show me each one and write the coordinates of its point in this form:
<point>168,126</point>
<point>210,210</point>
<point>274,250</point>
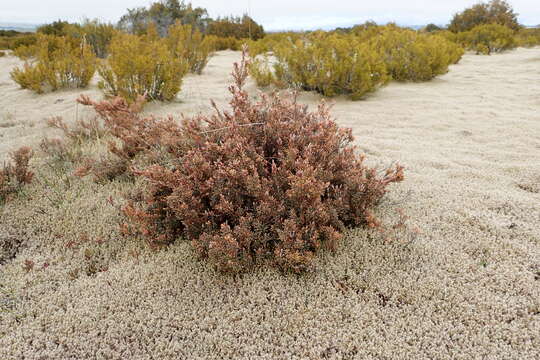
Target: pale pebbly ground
<point>467,288</point>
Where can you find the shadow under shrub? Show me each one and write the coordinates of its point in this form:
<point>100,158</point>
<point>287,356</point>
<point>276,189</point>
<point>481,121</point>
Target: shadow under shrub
<point>267,181</point>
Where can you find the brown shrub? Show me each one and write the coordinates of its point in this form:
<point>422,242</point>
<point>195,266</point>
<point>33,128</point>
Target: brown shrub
<point>15,174</point>
<point>81,131</point>
<point>268,181</point>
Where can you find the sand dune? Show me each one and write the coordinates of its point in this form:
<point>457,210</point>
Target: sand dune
<point>468,287</point>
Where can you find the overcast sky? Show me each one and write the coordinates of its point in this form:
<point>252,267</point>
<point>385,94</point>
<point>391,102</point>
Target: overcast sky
<point>273,14</point>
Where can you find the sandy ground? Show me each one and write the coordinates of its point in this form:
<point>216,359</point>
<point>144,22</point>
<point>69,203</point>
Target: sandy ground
<point>468,287</point>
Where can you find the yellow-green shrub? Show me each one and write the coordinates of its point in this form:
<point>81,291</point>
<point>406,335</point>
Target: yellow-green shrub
<point>490,38</point>
<point>413,56</point>
<point>261,70</point>
<point>225,43</point>
<point>54,63</point>
<point>267,44</point>
<point>14,42</point>
<point>528,37</point>
<point>97,34</point>
<point>190,44</point>
<point>142,65</point>
<point>329,64</point>
<point>492,12</point>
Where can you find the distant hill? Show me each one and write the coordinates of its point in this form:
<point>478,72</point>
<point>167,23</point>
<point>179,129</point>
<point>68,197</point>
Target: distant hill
<point>18,27</point>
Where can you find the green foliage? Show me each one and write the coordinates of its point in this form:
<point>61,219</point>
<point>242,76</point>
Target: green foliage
<point>270,41</point>
<point>190,44</point>
<point>142,65</point>
<point>494,12</point>
<point>268,182</point>
<point>430,28</point>
<point>56,28</point>
<point>224,43</point>
<point>329,64</point>
<point>238,27</point>
<point>16,41</point>
<point>10,33</point>
<point>354,62</point>
<point>54,63</point>
<point>97,34</point>
<point>413,56</point>
<point>528,37</point>
<point>490,38</point>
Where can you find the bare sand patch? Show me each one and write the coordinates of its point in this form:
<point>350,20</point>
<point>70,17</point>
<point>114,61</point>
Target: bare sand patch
<point>468,287</point>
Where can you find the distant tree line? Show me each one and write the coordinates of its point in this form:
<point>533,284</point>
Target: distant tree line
<point>165,13</point>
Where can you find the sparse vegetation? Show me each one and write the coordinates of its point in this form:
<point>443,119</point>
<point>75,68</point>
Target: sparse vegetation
<point>268,180</point>
<point>354,63</point>
<point>110,249</point>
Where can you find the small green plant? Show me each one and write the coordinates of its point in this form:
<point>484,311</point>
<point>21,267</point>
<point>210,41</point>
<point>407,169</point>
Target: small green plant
<point>142,66</point>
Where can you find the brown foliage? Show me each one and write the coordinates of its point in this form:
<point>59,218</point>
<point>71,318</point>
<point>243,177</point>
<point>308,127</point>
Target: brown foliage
<point>15,174</point>
<point>82,130</point>
<point>269,180</point>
